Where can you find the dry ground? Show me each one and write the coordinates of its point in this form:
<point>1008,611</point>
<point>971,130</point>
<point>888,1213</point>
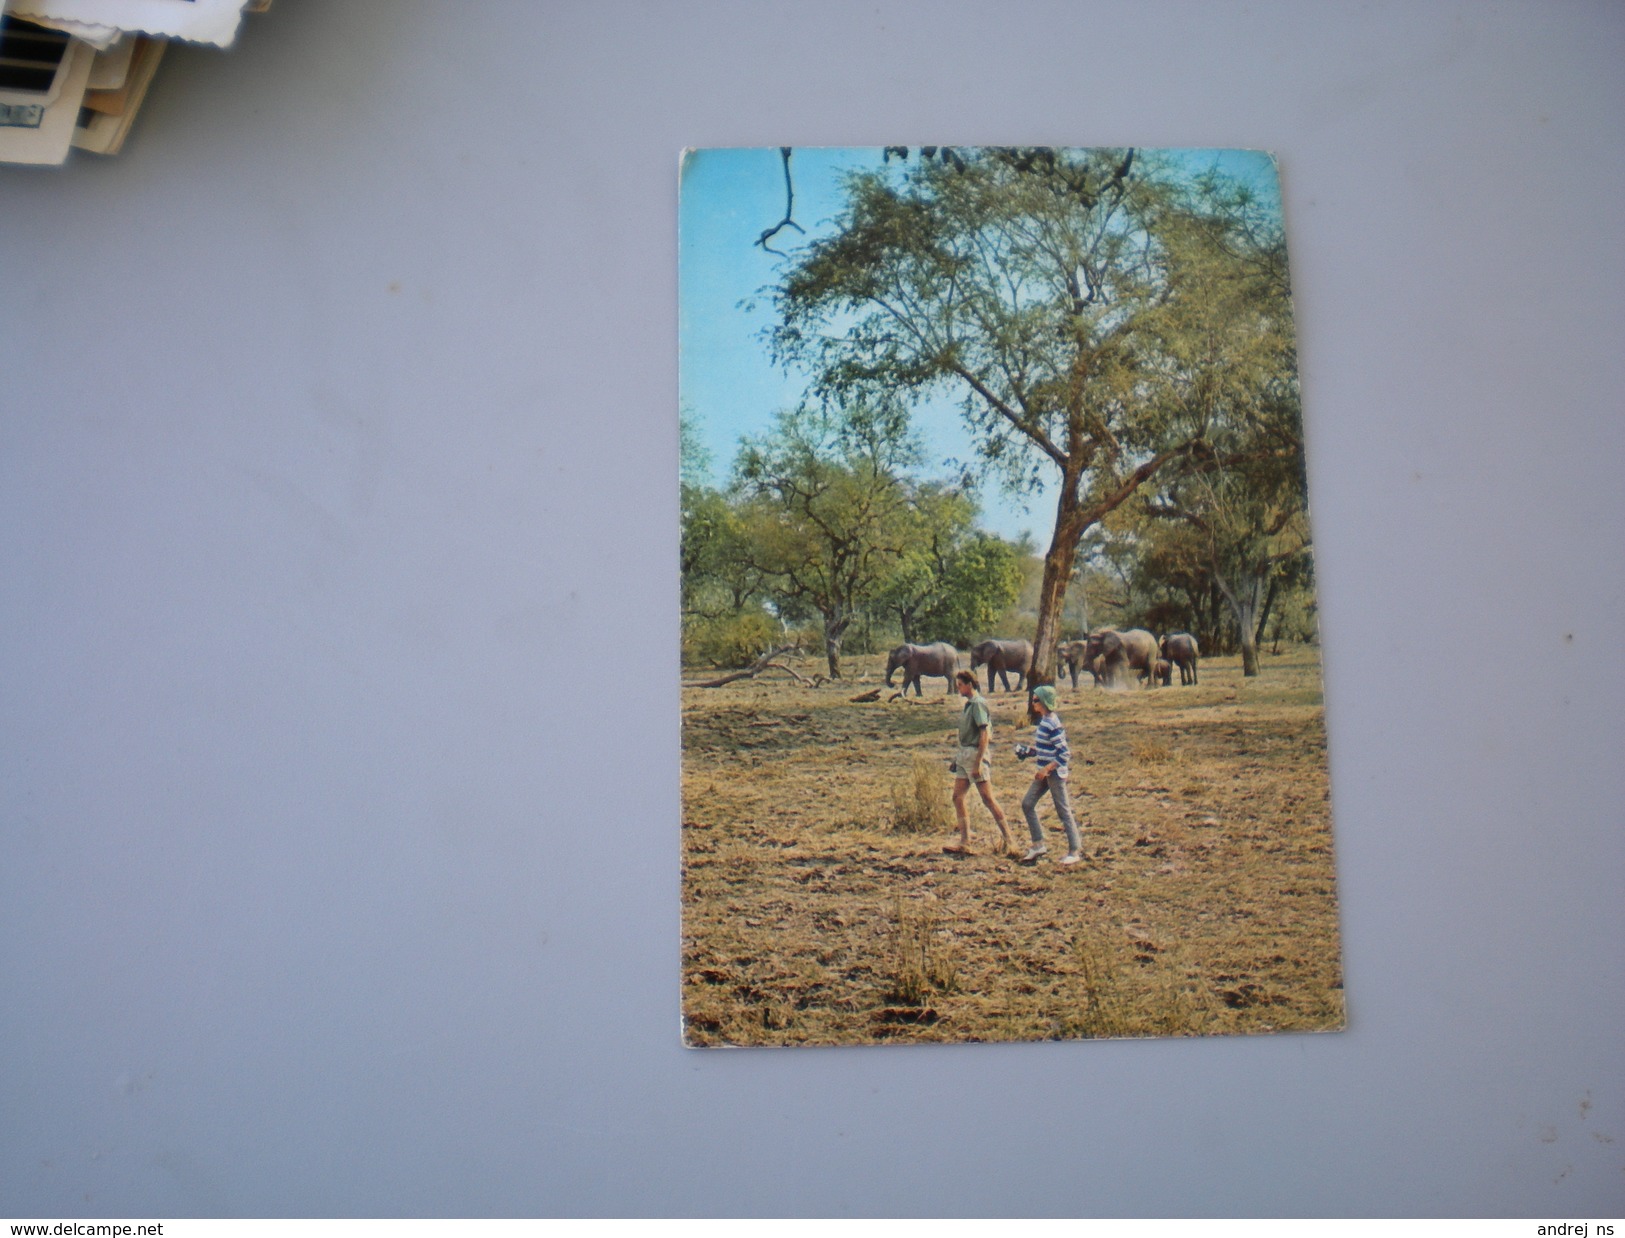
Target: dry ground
<point>1206,903</point>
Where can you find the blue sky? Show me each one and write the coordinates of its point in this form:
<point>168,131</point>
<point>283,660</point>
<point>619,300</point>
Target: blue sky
<point>728,198</point>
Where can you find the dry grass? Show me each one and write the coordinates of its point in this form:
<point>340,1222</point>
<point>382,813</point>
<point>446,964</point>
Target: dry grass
<point>922,964</point>
<point>920,803</point>
<point>814,912</point>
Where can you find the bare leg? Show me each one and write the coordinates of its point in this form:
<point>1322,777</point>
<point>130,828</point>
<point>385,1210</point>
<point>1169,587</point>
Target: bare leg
<point>962,785</point>
<point>986,788</point>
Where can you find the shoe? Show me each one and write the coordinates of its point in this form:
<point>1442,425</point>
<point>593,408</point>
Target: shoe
<point>1034,852</point>
<point>1071,857</point>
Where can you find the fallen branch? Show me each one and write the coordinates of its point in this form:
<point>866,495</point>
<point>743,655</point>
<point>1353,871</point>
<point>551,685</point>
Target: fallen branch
<point>763,663</point>
<point>794,674</point>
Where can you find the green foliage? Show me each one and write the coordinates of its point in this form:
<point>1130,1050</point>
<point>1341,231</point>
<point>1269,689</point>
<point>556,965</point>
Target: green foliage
<point>730,640</point>
<point>827,511</point>
<point>1235,512</point>
<point>1015,283</point>
<point>1103,317</point>
<point>694,459</point>
<point>718,576</point>
<point>979,584</point>
<point>954,579</point>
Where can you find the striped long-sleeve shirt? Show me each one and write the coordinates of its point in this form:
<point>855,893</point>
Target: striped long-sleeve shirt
<point>1049,741</point>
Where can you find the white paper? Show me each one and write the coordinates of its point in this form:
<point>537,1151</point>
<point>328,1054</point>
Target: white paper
<point>198,21</point>
<point>108,70</point>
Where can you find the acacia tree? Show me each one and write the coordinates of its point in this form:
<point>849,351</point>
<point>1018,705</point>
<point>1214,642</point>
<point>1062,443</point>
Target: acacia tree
<point>828,511</point>
<point>1024,282</point>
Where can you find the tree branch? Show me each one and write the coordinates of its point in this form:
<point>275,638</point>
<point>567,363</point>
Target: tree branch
<point>1030,428</point>
<point>763,663</point>
<point>1115,499</point>
<point>789,209</point>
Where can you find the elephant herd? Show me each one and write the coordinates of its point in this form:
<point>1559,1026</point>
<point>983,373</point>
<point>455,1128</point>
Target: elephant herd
<point>1106,655</point>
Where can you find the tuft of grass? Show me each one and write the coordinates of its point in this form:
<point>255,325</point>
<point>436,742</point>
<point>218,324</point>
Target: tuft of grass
<point>1115,1002</point>
<point>920,964</point>
<point>920,801</point>
<point>1103,1010</point>
<point>1149,750</point>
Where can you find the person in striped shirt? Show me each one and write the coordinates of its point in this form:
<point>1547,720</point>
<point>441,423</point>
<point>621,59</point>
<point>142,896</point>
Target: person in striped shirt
<point>1050,750</point>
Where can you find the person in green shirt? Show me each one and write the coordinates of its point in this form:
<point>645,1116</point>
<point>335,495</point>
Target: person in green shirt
<point>971,763</point>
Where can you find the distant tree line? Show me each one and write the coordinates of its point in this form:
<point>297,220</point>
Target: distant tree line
<point>824,524</point>
<point>823,534</point>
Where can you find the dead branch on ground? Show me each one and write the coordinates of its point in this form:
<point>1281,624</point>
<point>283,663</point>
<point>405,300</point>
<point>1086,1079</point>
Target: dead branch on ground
<point>763,663</point>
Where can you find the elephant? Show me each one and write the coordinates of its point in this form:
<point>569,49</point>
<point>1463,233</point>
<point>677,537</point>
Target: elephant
<point>1165,672</point>
<point>1135,649</point>
<point>1003,658</point>
<point>1074,655</point>
<point>1180,649</point>
<point>916,660</point>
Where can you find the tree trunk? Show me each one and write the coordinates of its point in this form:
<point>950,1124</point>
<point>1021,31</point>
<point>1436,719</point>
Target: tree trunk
<point>1264,615</point>
<point>834,629</point>
<point>1249,654</point>
<point>1244,606</point>
<point>1071,521</point>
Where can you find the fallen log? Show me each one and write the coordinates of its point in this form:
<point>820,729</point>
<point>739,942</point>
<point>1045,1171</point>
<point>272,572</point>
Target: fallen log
<point>763,663</point>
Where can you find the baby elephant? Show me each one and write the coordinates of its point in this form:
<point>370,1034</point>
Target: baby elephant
<point>1074,657</point>
<point>1180,649</point>
<point>1165,673</point>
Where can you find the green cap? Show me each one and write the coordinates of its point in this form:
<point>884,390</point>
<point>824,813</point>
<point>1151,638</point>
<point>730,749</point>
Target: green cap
<point>1045,695</point>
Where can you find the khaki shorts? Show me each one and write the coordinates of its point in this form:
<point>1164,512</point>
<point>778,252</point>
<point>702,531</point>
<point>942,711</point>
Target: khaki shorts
<point>965,760</point>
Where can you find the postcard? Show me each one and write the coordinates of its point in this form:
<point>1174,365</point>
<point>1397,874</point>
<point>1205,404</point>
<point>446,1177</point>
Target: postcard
<point>42,80</point>
<point>108,115</point>
<point>1002,715</point>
